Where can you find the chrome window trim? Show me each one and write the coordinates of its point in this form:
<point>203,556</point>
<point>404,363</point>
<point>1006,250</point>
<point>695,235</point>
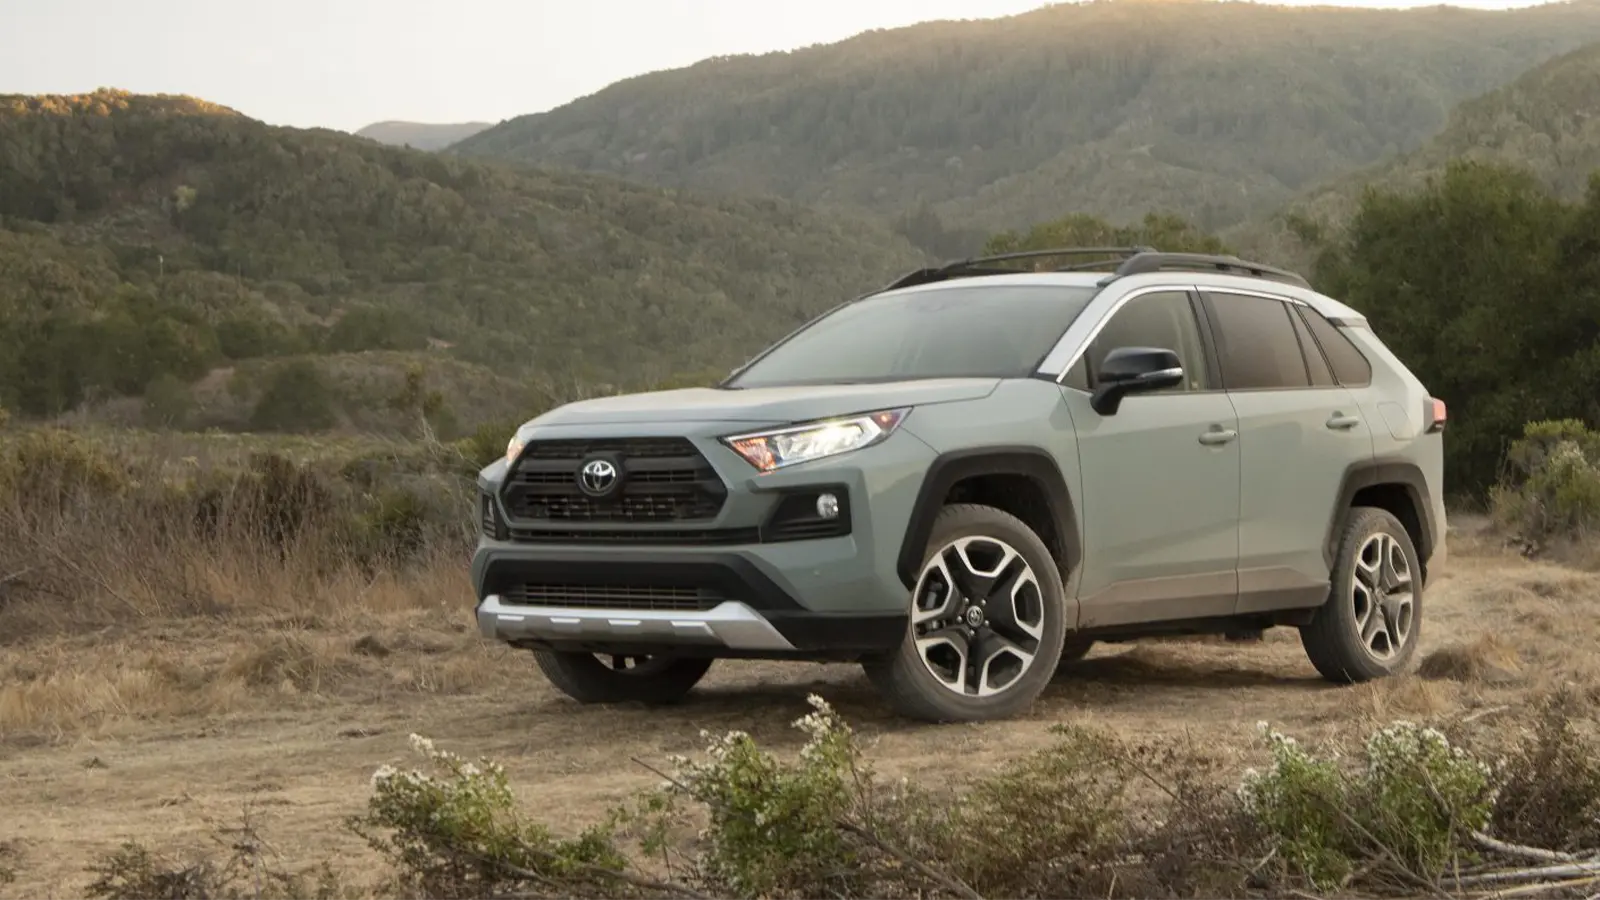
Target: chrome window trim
<point>1065,354</point>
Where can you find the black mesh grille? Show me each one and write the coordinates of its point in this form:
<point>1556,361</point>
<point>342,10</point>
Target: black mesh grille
<point>662,480</point>
<point>611,596</point>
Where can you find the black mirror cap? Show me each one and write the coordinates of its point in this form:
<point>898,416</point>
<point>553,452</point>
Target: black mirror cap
<point>1134,370</point>
<point>1126,365</point>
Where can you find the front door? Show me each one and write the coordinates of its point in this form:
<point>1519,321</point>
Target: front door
<point>1160,503</point>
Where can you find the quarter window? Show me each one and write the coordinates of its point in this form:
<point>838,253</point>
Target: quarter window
<point>1257,344</point>
<point>1166,320</point>
<point>1350,366</point>
<point>1321,375</point>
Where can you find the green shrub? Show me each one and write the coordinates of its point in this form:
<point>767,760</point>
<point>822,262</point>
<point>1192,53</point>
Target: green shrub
<point>455,831</point>
<point>1048,825</point>
<point>297,398</point>
<point>1551,487</point>
<point>773,826</point>
<point>42,468</point>
<point>1413,807</point>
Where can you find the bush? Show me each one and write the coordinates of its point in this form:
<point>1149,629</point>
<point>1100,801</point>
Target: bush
<point>297,398</point>
<point>1551,793</point>
<point>1065,821</point>
<point>456,832</point>
<point>133,872</point>
<point>1413,808</point>
<point>1551,488</point>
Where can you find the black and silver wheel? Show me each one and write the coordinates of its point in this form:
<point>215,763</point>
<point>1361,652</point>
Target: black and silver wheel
<point>1372,620</point>
<point>588,678</point>
<point>986,625</point>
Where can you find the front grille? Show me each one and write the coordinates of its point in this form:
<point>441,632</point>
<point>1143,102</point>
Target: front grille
<point>661,480</point>
<point>611,596</point>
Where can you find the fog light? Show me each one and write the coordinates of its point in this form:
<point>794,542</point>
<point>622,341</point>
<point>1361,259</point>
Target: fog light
<point>827,506</point>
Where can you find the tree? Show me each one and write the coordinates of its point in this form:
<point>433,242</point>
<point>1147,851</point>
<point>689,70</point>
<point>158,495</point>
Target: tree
<point>297,398</point>
<point>1170,233</point>
<point>1478,283</point>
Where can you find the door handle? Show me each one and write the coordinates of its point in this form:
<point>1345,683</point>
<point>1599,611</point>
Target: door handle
<point>1341,421</point>
<point>1218,436</point>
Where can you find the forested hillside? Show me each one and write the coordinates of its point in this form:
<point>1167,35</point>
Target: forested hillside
<point>1217,111</point>
<point>421,135</point>
<point>1546,122</point>
<point>146,238</point>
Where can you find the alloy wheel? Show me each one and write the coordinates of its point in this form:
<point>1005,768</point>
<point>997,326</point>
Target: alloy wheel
<point>977,616</point>
<point>1383,596</point>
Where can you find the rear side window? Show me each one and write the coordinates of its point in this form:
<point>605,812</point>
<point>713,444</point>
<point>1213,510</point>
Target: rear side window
<point>1350,367</point>
<point>1257,344</point>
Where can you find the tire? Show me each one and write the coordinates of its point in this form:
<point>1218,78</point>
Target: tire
<point>654,681</point>
<point>995,552</point>
<point>1074,649</point>
<point>1343,641</point>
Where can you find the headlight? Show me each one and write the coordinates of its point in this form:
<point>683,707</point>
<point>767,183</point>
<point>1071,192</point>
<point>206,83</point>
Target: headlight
<point>769,450</point>
<point>514,449</point>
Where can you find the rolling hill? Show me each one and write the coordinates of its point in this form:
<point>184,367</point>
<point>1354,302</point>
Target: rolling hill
<point>1546,122</point>
<point>151,237</point>
<point>1217,111</point>
<point>422,135</point>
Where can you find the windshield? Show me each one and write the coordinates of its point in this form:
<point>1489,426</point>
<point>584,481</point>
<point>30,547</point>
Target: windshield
<point>982,331</point>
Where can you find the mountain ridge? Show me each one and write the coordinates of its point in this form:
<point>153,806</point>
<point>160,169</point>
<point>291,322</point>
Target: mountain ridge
<point>143,237</point>
<point>421,135</point>
<point>1219,112</point>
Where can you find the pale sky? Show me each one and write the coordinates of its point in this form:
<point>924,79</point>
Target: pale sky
<point>346,63</point>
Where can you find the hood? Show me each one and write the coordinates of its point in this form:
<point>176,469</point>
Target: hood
<point>768,405</point>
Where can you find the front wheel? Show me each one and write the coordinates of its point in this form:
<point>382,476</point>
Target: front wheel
<point>988,618</point>
<point>1372,620</point>
<point>653,680</point>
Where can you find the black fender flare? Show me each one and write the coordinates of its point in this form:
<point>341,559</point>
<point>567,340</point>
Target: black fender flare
<point>948,469</point>
<point>1400,473</point>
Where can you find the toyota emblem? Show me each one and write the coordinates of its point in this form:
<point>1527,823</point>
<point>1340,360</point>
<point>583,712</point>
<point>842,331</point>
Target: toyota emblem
<point>597,477</point>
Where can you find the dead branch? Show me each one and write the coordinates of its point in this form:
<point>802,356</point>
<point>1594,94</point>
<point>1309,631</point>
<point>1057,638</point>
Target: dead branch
<point>948,882</point>
<point>1588,868</point>
<point>1537,854</point>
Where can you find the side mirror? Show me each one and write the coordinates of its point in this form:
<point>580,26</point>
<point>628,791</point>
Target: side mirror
<point>1134,370</point>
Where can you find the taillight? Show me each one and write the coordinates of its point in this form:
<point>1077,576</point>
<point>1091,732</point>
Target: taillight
<point>1433,415</point>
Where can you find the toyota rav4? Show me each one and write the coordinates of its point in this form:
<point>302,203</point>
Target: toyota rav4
<point>968,478</point>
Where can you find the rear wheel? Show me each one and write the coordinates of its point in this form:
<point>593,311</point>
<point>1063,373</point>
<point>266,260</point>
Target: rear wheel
<point>988,617</point>
<point>1372,621</point>
<point>589,678</point>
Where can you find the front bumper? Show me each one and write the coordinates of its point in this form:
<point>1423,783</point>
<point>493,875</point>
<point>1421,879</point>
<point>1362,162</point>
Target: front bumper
<point>723,601</point>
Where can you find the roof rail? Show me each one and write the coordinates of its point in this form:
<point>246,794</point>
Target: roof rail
<point>1153,261</point>
<point>971,267</point>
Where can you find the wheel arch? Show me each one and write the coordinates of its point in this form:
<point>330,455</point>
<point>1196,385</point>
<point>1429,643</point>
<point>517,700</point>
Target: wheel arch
<point>1397,486</point>
<point>1024,481</point>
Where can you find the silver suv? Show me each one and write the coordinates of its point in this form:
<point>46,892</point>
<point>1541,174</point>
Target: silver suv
<point>968,478</point>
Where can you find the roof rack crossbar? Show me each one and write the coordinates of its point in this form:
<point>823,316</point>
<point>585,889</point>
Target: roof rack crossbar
<point>1160,262</point>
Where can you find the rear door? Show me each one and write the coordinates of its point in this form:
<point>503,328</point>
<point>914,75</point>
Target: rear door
<point>1298,433</point>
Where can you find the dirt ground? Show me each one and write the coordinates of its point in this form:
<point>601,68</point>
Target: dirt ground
<point>165,731</point>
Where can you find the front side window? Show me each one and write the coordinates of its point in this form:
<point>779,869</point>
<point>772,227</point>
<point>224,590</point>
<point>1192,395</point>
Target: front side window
<point>969,331</point>
<point>1164,319</point>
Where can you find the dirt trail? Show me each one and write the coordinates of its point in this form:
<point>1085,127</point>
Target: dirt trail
<point>301,756</point>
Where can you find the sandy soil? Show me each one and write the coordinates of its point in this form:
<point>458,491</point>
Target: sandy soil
<point>167,731</point>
